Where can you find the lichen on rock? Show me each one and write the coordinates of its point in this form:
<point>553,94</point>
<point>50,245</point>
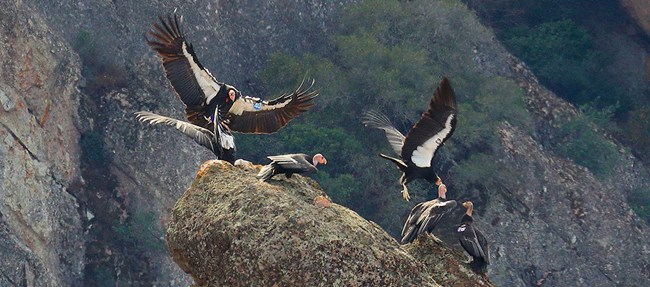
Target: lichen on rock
<point>229,229</point>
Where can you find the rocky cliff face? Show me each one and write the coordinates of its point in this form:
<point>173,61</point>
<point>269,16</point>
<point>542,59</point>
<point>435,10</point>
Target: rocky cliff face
<point>144,170</point>
<point>558,223</point>
<point>554,210</point>
<point>41,236</point>
<point>229,229</point>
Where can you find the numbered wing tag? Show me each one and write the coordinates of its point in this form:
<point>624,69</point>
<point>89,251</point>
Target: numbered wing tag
<point>461,228</point>
<point>257,106</point>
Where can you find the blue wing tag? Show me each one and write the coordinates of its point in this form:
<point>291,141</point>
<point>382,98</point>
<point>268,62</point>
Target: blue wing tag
<point>257,106</point>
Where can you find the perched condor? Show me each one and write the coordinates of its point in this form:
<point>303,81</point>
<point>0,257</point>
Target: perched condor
<point>425,216</point>
<point>288,164</point>
<point>220,142</point>
<point>204,96</point>
<point>421,143</point>
<point>473,241</point>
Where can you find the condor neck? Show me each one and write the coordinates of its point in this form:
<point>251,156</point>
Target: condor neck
<point>442,194</point>
<point>469,211</point>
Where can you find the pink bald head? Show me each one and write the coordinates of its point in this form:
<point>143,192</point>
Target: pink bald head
<point>319,158</point>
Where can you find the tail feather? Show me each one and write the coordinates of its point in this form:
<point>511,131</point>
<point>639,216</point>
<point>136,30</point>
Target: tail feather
<point>400,164</point>
<point>479,265</point>
<point>266,172</point>
<point>410,229</point>
<point>409,235</point>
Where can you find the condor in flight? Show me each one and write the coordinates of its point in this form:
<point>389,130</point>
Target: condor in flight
<point>204,96</point>
<point>418,148</point>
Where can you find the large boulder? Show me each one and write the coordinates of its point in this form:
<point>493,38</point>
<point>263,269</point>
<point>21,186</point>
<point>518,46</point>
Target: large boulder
<point>229,229</point>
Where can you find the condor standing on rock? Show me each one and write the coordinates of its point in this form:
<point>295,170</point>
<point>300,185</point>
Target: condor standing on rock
<point>421,143</point>
<point>473,241</point>
<point>425,216</point>
<point>208,100</point>
<point>289,164</point>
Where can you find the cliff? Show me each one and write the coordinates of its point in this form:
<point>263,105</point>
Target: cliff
<point>560,223</point>
<point>229,229</point>
<point>551,227</point>
<point>41,235</point>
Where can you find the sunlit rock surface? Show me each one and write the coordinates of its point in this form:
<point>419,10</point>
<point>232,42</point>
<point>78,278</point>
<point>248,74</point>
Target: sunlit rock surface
<point>229,229</point>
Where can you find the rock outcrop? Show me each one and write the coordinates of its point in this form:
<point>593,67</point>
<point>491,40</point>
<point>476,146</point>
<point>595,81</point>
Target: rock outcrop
<point>229,229</point>
<point>152,166</point>
<point>41,235</point>
<point>560,223</point>
<point>639,10</point>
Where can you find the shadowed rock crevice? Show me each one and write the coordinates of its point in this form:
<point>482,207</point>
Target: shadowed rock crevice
<point>229,229</point>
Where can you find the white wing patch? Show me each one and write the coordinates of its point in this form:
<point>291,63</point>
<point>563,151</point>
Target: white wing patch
<point>422,156</point>
<point>206,81</point>
<point>250,104</point>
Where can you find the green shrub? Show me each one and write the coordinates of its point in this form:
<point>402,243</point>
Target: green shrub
<point>390,56</point>
<point>640,202</point>
<point>581,141</point>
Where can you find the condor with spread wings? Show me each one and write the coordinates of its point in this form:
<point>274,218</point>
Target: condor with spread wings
<point>418,148</point>
<point>202,94</point>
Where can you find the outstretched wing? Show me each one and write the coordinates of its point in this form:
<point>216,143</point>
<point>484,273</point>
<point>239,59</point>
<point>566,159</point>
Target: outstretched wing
<point>193,83</point>
<point>374,119</point>
<point>201,135</point>
<point>253,115</point>
<point>435,126</point>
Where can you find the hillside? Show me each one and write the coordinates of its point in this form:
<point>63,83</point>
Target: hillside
<point>86,191</point>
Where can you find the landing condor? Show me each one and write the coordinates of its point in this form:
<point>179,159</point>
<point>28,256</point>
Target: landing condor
<point>418,148</point>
